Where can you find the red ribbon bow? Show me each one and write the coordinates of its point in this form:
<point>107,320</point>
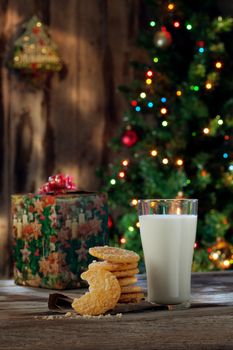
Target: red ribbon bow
<point>59,183</point>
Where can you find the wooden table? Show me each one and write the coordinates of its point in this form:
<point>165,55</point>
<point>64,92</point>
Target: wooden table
<point>207,325</point>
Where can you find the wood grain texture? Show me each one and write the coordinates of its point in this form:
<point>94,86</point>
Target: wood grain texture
<point>65,126</point>
<point>207,325</point>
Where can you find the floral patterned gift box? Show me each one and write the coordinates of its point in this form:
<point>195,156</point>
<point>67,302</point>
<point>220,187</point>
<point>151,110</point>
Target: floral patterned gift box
<point>52,235</point>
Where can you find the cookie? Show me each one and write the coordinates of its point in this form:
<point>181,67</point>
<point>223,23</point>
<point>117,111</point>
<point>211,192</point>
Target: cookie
<point>131,298</point>
<point>116,255</point>
<point>110,266</point>
<point>103,295</point>
<point>125,273</point>
<point>126,281</point>
<point>131,289</point>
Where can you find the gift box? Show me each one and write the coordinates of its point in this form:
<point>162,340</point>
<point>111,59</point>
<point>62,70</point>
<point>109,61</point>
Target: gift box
<point>52,233</point>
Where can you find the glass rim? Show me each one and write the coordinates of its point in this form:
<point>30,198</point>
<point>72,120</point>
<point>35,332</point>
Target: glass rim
<point>168,199</point>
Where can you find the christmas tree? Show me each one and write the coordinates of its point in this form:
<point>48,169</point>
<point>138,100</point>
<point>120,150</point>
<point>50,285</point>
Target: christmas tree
<point>176,137</point>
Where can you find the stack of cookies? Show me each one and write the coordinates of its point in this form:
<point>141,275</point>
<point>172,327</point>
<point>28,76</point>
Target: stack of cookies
<point>123,264</point>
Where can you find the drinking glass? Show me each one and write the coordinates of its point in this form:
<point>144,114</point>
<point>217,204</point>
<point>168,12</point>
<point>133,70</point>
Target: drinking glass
<point>168,231</point>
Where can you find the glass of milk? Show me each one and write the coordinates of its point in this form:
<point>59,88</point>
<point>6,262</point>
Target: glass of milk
<point>168,230</point>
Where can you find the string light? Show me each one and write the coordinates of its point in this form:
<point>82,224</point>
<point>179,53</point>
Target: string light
<point>150,104</point>
<point>201,50</point>
<point>218,65</point>
<point>121,174</point>
<point>231,167</point>
<point>149,73</point>
<point>143,95</point>
<point>214,256</point>
<point>131,228</point>
<point>165,161</point>
<point>148,81</point>
<point>220,122</point>
<point>125,162</point>
<point>164,123</point>
<point>152,23</point>
<point>226,137</point>
<point>179,162</point>
<point>155,60</point>
<point>178,93</point>
<point>134,103</point>
<point>163,110</point>
<point>176,24</point>
<point>163,99</point>
<point>225,155</point>
<point>226,263</point>
<point>189,26</point>
<point>153,153</point>
<point>208,86</point>
<point>112,181</point>
<point>194,87</point>
<point>134,201</point>
<point>123,240</point>
<point>137,109</point>
<point>170,7</point>
<point>138,224</point>
<point>206,131</point>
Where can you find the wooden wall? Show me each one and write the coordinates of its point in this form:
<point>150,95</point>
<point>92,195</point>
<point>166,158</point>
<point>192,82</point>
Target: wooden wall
<point>64,127</point>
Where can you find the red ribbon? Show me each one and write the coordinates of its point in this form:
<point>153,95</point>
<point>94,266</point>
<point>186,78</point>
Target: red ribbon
<point>59,183</point>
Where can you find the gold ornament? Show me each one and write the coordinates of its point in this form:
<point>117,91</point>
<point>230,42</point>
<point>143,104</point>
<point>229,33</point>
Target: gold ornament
<point>162,39</point>
<point>221,254</point>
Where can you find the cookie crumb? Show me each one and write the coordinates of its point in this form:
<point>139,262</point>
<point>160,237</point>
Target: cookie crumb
<point>68,314</point>
<point>50,318</point>
<point>118,316</point>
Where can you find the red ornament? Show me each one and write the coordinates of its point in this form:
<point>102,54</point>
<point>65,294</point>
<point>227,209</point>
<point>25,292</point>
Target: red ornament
<point>200,43</point>
<point>129,138</point>
<point>110,222</point>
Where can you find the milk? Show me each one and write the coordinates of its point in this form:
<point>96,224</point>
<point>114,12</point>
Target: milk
<point>168,243</point>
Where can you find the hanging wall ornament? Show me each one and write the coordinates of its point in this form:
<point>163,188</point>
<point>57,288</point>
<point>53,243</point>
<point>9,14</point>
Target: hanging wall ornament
<point>162,38</point>
<point>33,54</point>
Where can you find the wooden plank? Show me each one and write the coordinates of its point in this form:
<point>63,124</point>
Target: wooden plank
<point>77,102</point>
<point>18,111</point>
<point>153,331</point>
<point>208,289</point>
<point>122,31</point>
<point>198,327</point>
